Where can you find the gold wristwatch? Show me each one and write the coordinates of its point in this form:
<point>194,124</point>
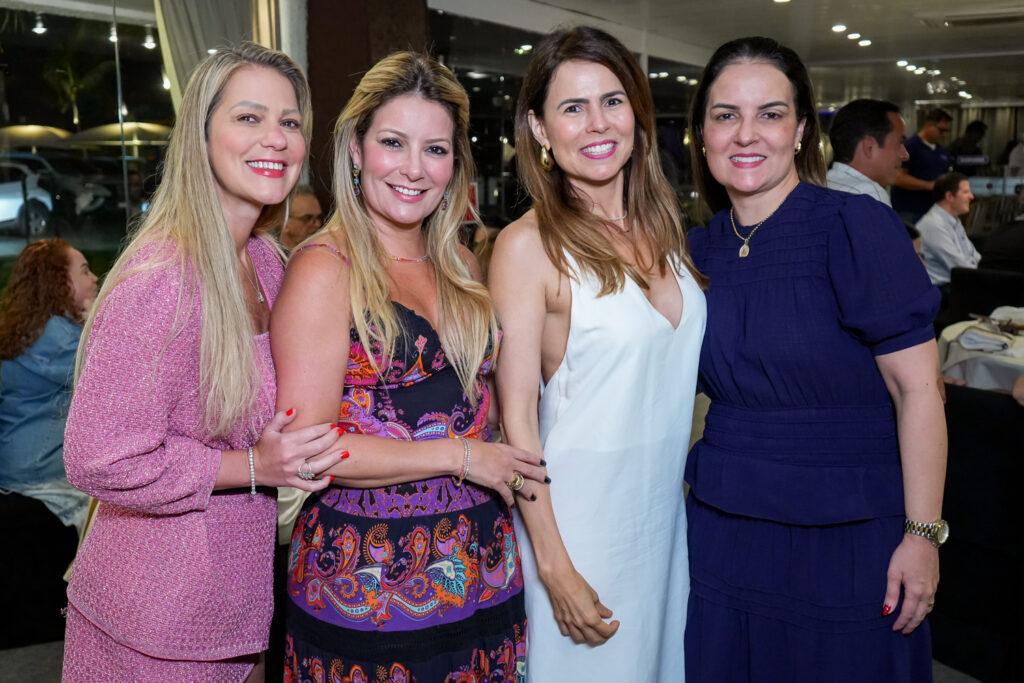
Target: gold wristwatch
<point>937,533</point>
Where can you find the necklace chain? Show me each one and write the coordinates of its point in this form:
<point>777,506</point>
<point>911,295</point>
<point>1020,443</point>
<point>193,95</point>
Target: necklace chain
<point>745,248</point>
<point>253,278</point>
<point>402,259</point>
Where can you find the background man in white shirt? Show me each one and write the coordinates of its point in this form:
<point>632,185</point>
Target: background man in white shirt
<point>944,240</point>
<point>867,139</point>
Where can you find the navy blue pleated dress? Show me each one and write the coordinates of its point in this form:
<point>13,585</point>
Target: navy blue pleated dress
<point>796,500</point>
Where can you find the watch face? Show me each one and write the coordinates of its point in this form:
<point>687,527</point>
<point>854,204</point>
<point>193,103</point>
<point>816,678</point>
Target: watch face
<point>942,533</point>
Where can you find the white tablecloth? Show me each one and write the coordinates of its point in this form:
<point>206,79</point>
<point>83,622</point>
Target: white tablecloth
<point>980,369</point>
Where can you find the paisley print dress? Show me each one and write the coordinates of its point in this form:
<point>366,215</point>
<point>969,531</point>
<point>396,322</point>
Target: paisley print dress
<point>418,581</point>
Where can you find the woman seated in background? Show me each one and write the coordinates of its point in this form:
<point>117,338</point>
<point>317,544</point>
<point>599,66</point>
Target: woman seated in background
<point>172,424</point>
<point>816,490</point>
<point>48,296</point>
<point>407,568</point>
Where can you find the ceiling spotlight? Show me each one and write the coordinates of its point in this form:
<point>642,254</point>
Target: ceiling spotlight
<point>473,139</point>
<point>476,74</point>
<point>864,43</point>
<point>839,28</point>
<point>966,95</point>
<point>853,36</point>
<point>911,67</point>
<point>148,41</point>
<point>165,81</point>
<point>781,1</point>
<point>113,33</point>
<point>653,74</point>
<point>902,62</point>
<point>40,27</point>
<point>681,79</point>
<point>936,72</point>
<point>919,71</point>
<point>212,51</point>
<point>662,74</point>
<point>693,81</point>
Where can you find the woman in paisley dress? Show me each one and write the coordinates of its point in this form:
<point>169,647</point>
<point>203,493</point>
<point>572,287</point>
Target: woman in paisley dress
<point>406,568</point>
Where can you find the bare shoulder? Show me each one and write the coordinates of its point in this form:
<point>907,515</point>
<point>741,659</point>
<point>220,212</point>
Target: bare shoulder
<point>469,258</point>
<point>520,243</point>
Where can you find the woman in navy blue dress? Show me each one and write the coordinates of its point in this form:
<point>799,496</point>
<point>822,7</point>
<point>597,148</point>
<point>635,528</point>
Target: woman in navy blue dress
<point>825,439</point>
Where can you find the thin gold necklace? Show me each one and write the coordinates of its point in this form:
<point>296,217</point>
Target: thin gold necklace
<point>402,259</point>
<point>745,248</point>
<point>253,278</point>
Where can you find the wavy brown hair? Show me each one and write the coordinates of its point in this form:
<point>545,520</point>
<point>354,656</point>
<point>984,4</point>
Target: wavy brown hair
<point>567,223</point>
<point>39,289</point>
<point>810,163</point>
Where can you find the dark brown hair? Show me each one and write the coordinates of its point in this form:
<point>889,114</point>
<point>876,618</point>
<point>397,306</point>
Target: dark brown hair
<point>810,164</point>
<point>39,289</point>
<point>566,222</point>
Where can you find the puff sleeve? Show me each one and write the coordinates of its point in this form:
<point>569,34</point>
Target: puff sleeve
<point>884,295</point>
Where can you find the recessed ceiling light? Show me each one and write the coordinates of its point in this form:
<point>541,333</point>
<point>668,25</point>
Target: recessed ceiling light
<point>919,71</point>
<point>662,74</point>
<point>911,67</point>
<point>864,43</point>
<point>853,36</point>
<point>839,28</point>
<point>653,74</point>
<point>781,1</point>
<point>40,27</point>
<point>693,81</point>
<point>936,72</point>
<point>902,62</point>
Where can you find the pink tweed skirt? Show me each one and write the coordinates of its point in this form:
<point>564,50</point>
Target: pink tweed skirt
<point>90,655</point>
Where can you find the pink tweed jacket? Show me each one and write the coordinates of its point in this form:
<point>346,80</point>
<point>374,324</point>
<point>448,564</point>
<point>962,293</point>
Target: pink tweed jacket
<point>171,568</point>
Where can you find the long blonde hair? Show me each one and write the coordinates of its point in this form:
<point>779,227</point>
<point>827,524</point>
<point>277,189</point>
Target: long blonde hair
<point>567,223</point>
<point>186,218</point>
<point>466,321</point>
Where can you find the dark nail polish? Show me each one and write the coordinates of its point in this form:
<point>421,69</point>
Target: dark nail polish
<point>533,496</point>
<point>886,610</point>
<point>543,463</point>
<point>547,480</point>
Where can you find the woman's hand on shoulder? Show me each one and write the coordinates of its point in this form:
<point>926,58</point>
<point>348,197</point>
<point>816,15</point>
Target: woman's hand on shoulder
<point>278,455</point>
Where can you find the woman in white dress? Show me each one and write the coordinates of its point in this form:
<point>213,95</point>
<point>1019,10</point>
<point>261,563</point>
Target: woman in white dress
<point>602,307</point>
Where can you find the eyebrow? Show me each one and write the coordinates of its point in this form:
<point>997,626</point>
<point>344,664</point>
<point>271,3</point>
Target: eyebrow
<point>584,100</point>
<point>766,105</point>
<point>400,134</point>
<point>249,104</point>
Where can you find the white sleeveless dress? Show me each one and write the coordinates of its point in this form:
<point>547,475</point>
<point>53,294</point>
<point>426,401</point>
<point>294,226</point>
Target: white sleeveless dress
<point>615,426</point>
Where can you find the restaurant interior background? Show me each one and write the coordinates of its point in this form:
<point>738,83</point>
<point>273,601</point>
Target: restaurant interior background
<point>88,88</point>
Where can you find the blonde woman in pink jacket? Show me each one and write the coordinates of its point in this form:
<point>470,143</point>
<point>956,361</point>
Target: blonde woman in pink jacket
<point>172,423</point>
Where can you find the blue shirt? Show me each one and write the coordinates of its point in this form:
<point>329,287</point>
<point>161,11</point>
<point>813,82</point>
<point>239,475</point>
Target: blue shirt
<point>34,404</point>
<point>924,163</point>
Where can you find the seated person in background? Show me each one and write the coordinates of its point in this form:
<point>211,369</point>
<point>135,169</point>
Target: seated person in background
<point>41,311</point>
<point>867,138</point>
<point>928,160</point>
<point>943,238</point>
<point>1004,248</point>
<point>915,237</point>
<point>969,145</point>
<point>304,217</point>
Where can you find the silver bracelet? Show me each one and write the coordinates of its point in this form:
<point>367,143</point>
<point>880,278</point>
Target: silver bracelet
<point>252,475</point>
<point>468,452</point>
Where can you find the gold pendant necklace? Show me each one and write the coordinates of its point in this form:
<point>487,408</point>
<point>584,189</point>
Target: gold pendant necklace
<point>745,248</point>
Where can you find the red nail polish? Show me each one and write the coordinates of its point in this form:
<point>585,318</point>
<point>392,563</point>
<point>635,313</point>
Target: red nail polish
<point>291,411</point>
<point>344,454</point>
<point>332,478</point>
<point>333,426</point>
<point>341,432</point>
<point>886,610</point>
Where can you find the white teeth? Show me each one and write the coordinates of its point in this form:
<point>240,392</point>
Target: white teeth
<point>599,149</point>
<point>267,165</point>
<point>406,191</point>
<point>747,159</point>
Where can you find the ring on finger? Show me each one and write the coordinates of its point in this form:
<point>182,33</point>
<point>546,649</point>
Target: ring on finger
<point>517,481</point>
<point>306,471</point>
<point>931,604</point>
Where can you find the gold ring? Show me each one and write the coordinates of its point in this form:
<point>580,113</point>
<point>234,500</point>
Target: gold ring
<point>517,481</point>
<point>931,604</point>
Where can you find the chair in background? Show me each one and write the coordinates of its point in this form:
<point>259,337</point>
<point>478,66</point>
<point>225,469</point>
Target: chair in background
<point>978,621</point>
<point>979,290</point>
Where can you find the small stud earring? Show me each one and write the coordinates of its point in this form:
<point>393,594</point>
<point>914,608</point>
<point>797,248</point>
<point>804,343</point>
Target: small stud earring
<point>704,150</point>
<point>799,146</point>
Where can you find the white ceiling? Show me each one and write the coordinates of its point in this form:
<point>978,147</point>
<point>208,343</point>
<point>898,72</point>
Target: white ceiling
<point>988,55</point>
